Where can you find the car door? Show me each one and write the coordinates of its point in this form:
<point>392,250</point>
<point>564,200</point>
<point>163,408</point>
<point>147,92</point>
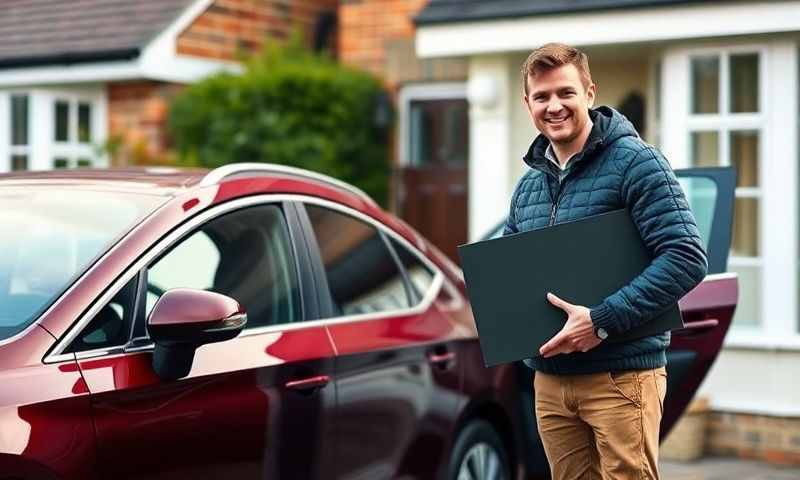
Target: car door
<point>257,406</point>
<point>397,376</point>
<point>708,309</point>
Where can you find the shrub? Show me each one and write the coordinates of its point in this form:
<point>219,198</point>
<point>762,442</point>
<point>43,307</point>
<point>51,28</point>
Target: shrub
<point>289,106</point>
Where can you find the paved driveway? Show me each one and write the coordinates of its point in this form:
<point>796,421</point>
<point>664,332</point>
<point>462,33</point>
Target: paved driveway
<point>727,469</point>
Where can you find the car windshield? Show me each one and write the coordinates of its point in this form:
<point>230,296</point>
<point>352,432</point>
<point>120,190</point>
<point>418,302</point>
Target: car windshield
<point>49,237</point>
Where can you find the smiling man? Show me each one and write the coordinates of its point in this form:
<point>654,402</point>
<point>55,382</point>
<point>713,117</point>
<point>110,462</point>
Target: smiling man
<point>598,402</point>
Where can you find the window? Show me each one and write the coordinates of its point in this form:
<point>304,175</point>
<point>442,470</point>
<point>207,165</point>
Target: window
<point>72,132</point>
<point>56,128</point>
<point>20,148</point>
<point>725,128</point>
<point>247,255</point>
<point>439,132</point>
<point>50,236</point>
<point>420,276</point>
<point>362,275</point>
<point>111,326</point>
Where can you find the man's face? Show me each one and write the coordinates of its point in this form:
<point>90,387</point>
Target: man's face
<point>558,103</point>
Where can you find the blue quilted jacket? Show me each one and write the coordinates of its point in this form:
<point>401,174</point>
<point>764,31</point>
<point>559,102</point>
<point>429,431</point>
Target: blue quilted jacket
<point>616,169</point>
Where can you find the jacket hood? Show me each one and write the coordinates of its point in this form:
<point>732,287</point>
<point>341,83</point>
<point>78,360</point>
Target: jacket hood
<point>609,126</point>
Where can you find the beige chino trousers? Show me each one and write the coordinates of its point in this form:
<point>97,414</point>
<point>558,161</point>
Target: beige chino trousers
<point>601,425</point>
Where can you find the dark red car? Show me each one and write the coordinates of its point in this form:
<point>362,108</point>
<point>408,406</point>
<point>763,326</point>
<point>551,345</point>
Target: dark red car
<point>260,321</point>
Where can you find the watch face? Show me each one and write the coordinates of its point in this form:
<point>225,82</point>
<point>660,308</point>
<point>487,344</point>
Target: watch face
<point>601,333</point>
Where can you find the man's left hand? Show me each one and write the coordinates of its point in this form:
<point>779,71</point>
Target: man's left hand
<point>577,334</point>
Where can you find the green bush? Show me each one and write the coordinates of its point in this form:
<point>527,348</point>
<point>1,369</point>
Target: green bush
<point>291,107</point>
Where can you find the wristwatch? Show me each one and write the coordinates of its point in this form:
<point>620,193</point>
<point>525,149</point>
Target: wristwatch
<point>600,333</point>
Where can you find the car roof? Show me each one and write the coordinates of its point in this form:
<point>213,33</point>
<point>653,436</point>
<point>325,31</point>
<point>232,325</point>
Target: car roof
<point>172,182</point>
<point>145,180</point>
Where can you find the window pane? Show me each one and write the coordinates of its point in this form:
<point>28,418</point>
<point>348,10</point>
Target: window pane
<point>745,228</point>
<point>744,83</point>
<point>421,277</point>
<point>744,156</point>
<point>84,162</point>
<point>62,121</point>
<point>748,308</point>
<point>19,162</point>
<point>60,162</point>
<point>705,85</point>
<point>50,236</point>
<point>705,149</point>
<point>112,324</point>
<point>246,255</point>
<point>439,132</point>
<point>362,275</point>
<point>84,123</point>
<point>19,120</point>
<point>701,193</point>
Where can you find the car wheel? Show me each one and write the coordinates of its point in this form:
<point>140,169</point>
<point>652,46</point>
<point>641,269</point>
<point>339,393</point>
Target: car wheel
<point>479,454</point>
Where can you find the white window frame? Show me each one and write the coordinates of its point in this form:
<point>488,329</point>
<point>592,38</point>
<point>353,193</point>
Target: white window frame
<point>777,123</point>
<point>42,147</point>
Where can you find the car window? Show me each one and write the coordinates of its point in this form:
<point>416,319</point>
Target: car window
<point>246,254</point>
<point>111,326</point>
<point>701,193</point>
<point>362,275</point>
<point>421,277</point>
<point>50,236</point>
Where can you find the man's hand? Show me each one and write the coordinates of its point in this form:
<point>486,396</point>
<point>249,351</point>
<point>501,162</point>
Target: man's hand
<point>577,334</point>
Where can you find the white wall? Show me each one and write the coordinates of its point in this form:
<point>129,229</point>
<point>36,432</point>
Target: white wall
<point>490,95</point>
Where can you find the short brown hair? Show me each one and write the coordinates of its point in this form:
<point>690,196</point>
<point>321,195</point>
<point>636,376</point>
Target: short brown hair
<point>554,55</point>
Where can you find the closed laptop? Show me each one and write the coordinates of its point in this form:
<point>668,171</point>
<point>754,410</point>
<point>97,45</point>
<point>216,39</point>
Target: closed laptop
<point>582,262</point>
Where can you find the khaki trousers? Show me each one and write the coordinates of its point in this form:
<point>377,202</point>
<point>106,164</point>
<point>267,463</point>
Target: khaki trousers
<point>601,425</point>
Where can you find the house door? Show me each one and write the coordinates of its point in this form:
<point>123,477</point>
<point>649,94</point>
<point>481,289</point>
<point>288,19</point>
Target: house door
<point>433,192</point>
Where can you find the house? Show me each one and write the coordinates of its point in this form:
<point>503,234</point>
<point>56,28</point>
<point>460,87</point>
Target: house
<point>710,83</point>
<point>80,81</point>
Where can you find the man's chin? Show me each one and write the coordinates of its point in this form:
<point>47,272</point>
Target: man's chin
<point>559,136</point>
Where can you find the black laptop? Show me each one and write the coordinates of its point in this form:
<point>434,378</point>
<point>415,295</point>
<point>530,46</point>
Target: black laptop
<point>582,262</point>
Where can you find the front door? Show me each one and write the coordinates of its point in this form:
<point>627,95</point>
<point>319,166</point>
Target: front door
<point>254,407</point>
<point>433,195</point>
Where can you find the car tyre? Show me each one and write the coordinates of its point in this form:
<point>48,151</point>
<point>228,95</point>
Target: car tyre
<point>478,454</point>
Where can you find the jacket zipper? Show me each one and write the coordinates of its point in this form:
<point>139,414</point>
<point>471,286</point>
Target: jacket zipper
<point>555,205</point>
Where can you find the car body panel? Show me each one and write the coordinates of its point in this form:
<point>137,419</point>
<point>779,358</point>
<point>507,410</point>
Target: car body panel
<point>232,416</point>
<point>45,412</point>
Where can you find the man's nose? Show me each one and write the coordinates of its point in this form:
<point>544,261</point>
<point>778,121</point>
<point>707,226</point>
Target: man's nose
<point>554,105</point>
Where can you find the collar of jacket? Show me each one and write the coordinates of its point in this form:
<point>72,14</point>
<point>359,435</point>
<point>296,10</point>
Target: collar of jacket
<point>535,157</point>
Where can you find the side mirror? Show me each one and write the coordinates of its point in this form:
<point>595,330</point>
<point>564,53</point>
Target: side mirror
<point>182,320</point>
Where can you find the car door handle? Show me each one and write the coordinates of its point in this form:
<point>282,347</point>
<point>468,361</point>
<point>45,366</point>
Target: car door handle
<point>697,327</point>
<point>308,385</point>
<point>441,358</point>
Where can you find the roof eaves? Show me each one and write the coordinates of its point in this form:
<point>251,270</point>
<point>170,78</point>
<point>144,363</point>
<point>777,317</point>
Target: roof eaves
<point>454,12</point>
<point>70,58</point>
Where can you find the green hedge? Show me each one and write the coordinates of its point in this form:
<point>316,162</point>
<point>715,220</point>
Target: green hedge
<point>291,107</point>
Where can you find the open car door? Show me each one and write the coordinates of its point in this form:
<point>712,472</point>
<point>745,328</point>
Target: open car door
<point>708,309</point>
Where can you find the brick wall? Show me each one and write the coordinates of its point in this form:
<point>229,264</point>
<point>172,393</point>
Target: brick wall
<point>378,36</point>
<point>137,116</point>
<point>773,439</point>
<point>229,27</point>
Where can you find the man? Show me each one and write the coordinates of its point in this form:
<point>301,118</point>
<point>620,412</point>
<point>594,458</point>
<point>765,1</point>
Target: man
<point>599,403</point>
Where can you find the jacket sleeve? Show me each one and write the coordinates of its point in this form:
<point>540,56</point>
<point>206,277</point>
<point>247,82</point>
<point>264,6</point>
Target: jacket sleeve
<point>511,220</point>
<point>659,208</point>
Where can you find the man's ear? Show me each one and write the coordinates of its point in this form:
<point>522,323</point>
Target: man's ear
<point>591,93</point>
